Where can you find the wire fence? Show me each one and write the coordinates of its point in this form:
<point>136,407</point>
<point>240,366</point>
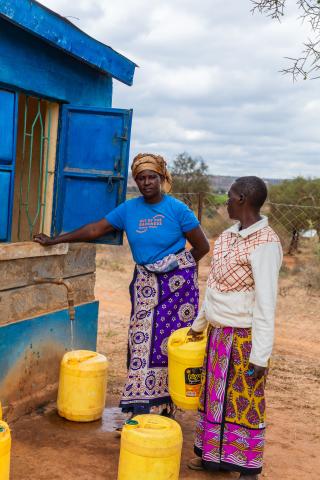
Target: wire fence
<point>291,222</point>
<point>294,222</point>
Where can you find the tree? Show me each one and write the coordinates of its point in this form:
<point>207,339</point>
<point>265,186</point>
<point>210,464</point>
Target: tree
<point>308,64</point>
<point>190,174</point>
<point>294,206</point>
<point>190,177</point>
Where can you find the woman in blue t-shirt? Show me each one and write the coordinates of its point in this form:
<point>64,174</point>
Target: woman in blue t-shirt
<point>164,290</point>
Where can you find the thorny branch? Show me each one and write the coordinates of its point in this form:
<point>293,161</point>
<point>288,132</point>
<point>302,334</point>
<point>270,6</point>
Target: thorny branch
<point>308,64</point>
<point>273,8</point>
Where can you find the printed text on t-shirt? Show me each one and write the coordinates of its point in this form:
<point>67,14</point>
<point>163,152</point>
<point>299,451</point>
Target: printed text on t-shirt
<point>146,223</point>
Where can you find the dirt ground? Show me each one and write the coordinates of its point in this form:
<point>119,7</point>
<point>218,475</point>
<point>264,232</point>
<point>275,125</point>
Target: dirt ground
<point>46,447</point>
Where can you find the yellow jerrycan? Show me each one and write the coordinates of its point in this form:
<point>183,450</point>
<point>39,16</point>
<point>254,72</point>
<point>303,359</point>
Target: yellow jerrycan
<point>150,449</point>
<point>185,361</point>
<point>5,446</point>
<point>82,386</point>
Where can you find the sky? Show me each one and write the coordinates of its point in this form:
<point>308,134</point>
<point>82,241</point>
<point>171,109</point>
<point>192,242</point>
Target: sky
<point>209,82</point>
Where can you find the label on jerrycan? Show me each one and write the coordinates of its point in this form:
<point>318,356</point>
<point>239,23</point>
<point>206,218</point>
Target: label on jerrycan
<point>192,377</point>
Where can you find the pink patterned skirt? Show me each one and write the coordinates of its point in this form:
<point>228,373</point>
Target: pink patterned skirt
<point>231,426</point>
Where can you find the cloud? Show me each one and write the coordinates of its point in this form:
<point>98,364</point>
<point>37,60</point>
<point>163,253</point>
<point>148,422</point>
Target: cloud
<point>209,82</point>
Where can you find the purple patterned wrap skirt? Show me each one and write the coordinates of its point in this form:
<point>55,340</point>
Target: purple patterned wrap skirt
<point>164,297</point>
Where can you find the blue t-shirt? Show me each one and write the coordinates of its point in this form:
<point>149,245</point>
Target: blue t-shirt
<point>153,230</point>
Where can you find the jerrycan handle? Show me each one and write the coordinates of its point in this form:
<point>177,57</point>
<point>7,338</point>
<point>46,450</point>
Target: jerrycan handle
<point>75,360</point>
<point>151,425</point>
<point>187,339</point>
<point>179,341</point>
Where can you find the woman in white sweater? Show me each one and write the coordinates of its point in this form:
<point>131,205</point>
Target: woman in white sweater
<point>238,308</point>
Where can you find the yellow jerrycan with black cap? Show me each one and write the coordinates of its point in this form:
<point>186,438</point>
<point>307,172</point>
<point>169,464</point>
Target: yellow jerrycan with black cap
<point>185,361</point>
<point>82,386</point>
<point>150,449</point>
<point>5,447</point>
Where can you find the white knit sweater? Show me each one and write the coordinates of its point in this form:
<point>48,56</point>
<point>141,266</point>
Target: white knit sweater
<point>242,285</point>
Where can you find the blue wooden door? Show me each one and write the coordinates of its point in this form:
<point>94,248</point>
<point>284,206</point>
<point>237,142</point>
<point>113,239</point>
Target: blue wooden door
<point>92,166</point>
<point>8,134</point>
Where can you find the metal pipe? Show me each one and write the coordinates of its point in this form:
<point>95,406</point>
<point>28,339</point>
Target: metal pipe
<point>67,285</point>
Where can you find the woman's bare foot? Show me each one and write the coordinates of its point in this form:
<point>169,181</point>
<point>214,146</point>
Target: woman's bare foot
<point>195,464</point>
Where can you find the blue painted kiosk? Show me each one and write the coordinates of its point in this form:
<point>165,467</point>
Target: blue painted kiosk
<point>63,162</point>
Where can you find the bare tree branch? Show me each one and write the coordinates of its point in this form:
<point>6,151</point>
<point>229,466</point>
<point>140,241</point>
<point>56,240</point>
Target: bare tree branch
<point>310,13</point>
<point>307,66</point>
<point>273,8</point>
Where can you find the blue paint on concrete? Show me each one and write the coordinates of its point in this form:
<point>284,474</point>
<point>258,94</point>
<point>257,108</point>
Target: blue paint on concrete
<point>62,34</point>
<point>53,328</point>
<point>30,65</point>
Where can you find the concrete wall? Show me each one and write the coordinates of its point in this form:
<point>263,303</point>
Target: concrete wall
<point>34,319</point>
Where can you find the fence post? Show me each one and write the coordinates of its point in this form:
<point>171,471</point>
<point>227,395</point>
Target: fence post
<point>200,205</point>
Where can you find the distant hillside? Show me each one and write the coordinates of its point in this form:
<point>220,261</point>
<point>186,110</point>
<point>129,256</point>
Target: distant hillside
<point>219,183</point>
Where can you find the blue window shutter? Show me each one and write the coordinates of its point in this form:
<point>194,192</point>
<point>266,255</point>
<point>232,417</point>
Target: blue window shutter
<point>8,133</point>
<point>92,167</point>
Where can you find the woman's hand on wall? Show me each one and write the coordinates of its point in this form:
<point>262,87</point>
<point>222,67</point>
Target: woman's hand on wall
<point>43,239</point>
<point>88,232</point>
